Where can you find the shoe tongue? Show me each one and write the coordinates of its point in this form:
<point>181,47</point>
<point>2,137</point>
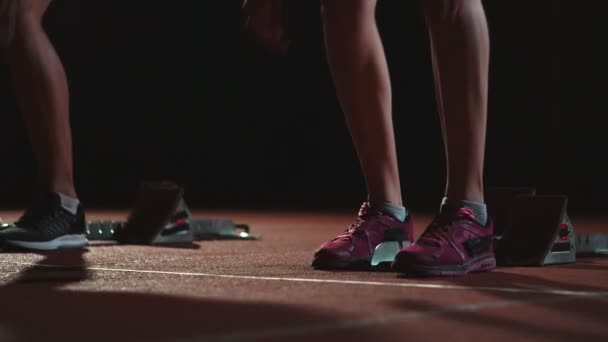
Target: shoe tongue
<point>458,213</point>
<point>465,213</point>
<point>444,218</point>
<point>43,204</point>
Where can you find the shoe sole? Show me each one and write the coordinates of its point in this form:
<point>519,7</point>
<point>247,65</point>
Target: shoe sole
<point>65,241</point>
<point>381,259</point>
<point>485,263</point>
<point>322,263</point>
<point>327,261</point>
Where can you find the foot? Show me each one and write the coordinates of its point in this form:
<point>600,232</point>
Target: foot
<point>47,226</point>
<point>357,244</point>
<point>453,245</point>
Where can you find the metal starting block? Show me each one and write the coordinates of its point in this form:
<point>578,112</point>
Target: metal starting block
<point>535,230</point>
<point>385,252</point>
<point>160,216</point>
<point>220,229</point>
<point>591,244</point>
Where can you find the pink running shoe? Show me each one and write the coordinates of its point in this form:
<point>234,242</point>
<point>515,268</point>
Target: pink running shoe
<point>356,245</point>
<point>452,245</point>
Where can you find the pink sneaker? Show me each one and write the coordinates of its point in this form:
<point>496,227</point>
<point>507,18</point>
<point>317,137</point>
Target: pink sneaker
<point>357,244</point>
<point>452,245</point>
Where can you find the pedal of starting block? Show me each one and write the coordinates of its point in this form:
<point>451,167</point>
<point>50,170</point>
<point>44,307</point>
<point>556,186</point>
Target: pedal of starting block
<point>500,201</point>
<point>159,216</point>
<point>156,217</point>
<point>539,233</point>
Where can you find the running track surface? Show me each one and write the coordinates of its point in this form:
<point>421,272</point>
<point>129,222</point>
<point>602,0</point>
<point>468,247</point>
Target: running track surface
<point>266,291</point>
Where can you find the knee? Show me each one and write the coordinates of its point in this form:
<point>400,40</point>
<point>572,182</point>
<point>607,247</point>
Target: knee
<point>18,18</point>
<point>451,10</point>
<point>339,10</point>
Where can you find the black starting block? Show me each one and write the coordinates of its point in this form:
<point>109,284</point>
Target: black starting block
<point>160,216</point>
<point>500,202</point>
<point>537,233</point>
<point>535,230</point>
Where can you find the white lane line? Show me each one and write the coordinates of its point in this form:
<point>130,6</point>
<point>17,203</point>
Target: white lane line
<point>365,322</point>
<point>404,284</point>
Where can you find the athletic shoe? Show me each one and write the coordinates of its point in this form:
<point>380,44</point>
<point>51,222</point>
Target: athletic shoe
<point>47,226</point>
<point>454,244</point>
<point>356,245</point>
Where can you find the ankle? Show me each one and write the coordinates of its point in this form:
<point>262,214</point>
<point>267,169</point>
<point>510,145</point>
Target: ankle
<point>394,199</point>
<point>473,194</point>
<point>478,209</point>
<point>396,211</point>
<point>64,189</point>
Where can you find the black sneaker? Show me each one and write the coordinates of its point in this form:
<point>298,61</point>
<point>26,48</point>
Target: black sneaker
<point>47,226</point>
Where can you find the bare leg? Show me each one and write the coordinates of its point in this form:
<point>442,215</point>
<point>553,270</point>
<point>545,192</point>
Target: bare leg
<point>359,69</point>
<point>42,92</point>
<point>460,49</point>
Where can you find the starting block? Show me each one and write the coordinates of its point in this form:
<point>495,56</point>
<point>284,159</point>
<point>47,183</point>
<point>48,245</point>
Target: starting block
<point>500,203</point>
<point>591,244</point>
<point>220,229</point>
<point>535,230</point>
<point>384,253</point>
<point>160,216</point>
<point>538,232</point>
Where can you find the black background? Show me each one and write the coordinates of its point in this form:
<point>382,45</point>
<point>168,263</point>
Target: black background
<point>174,91</point>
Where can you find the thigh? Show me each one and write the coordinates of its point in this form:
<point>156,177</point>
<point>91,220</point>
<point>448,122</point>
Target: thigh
<point>32,9</point>
<point>8,15</point>
<point>450,8</point>
<point>16,13</point>
<point>348,7</point>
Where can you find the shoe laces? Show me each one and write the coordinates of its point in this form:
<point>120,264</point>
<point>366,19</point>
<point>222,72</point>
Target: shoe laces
<point>355,228</point>
<point>437,232</point>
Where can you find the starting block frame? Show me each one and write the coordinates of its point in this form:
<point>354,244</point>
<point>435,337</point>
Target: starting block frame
<point>591,244</point>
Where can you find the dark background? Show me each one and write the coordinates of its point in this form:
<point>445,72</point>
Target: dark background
<point>175,91</point>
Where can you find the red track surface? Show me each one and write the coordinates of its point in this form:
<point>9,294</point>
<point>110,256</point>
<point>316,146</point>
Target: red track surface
<point>266,290</point>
